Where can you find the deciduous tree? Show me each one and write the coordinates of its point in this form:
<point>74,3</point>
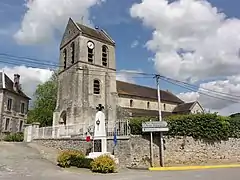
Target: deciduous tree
<point>45,98</point>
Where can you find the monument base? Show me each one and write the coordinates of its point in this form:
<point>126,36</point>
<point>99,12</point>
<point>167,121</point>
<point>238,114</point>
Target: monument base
<point>94,155</point>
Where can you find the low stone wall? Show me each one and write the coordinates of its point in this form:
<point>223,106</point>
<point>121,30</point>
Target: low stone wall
<point>121,151</point>
<point>135,151</point>
<point>184,151</point>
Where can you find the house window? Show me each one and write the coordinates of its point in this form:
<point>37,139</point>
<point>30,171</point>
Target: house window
<point>22,108</point>
<point>96,87</point>
<point>65,58</point>
<point>164,107</point>
<point>131,103</point>
<point>148,105</point>
<point>73,52</point>
<point>7,121</point>
<point>9,104</point>
<point>104,55</point>
<point>90,51</point>
<point>20,126</point>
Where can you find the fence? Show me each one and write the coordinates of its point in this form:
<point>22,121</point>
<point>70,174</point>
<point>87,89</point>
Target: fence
<point>121,128</point>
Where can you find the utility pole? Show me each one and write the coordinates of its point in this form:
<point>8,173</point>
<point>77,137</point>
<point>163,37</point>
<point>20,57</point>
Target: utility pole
<point>161,148</point>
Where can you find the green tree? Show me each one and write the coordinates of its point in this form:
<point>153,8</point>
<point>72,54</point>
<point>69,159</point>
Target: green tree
<point>45,98</point>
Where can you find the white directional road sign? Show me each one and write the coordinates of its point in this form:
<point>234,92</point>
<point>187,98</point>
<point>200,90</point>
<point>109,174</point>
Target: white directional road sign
<point>154,126</point>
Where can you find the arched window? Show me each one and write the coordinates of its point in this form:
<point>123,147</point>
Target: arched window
<point>164,107</point>
<point>63,118</point>
<point>148,105</point>
<point>131,103</point>
<point>104,55</point>
<point>96,86</point>
<point>64,58</point>
<point>90,51</point>
<point>73,52</point>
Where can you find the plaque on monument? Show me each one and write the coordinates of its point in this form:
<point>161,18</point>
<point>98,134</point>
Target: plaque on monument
<point>97,145</point>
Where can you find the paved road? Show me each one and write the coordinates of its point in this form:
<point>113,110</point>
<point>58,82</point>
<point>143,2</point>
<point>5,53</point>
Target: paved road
<point>19,162</point>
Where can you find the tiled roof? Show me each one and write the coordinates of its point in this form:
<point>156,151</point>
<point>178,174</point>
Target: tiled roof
<point>144,112</point>
<point>184,107</point>
<point>97,33</point>
<point>134,90</point>
<point>7,84</point>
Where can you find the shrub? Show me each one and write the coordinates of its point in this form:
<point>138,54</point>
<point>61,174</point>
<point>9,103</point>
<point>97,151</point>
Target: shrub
<point>86,163</point>
<point>69,158</point>
<point>103,164</point>
<point>234,129</point>
<point>136,124</point>
<point>63,160</point>
<point>207,127</point>
<point>75,158</point>
<point>14,137</point>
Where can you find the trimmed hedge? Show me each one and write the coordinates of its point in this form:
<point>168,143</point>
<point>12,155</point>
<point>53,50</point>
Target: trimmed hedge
<point>14,137</point>
<point>234,129</point>
<point>207,127</point>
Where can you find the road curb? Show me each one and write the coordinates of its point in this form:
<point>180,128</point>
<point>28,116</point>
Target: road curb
<point>185,168</point>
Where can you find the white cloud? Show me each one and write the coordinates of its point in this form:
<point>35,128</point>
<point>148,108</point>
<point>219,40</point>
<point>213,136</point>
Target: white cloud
<point>190,39</point>
<point>226,102</point>
<point>128,75</point>
<point>29,77</point>
<point>44,17</point>
<point>134,44</point>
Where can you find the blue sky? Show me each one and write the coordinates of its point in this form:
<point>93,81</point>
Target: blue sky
<point>113,16</point>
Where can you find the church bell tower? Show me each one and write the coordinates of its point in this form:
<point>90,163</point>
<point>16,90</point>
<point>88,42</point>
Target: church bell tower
<point>87,75</point>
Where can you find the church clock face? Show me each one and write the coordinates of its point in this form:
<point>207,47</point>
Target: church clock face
<point>90,45</point>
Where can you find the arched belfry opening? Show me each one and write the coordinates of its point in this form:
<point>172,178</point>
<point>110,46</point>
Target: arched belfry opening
<point>63,118</point>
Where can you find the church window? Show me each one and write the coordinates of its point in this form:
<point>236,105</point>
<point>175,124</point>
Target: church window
<point>65,58</point>
<point>148,105</point>
<point>131,103</point>
<point>96,86</point>
<point>164,107</point>
<point>90,51</point>
<point>73,52</point>
<point>104,55</point>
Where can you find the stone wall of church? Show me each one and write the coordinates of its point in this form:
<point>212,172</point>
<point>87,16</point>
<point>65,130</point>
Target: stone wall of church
<point>135,151</point>
<point>143,104</point>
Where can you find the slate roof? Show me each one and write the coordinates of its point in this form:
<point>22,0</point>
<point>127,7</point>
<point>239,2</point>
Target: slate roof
<point>134,90</point>
<point>185,107</point>
<point>143,112</point>
<point>96,33</point>
<point>7,84</point>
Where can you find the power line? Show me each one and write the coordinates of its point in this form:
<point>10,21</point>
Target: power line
<point>48,63</point>
<point>23,57</point>
<point>188,84</point>
<point>216,97</point>
<point>33,61</point>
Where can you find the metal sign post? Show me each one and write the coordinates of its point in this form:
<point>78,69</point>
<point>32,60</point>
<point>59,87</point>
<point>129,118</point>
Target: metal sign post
<point>151,148</point>
<point>155,126</point>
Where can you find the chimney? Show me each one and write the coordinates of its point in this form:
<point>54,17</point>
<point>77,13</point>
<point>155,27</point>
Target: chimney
<point>16,82</point>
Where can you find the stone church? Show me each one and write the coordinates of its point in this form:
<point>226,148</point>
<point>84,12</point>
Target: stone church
<point>87,78</point>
